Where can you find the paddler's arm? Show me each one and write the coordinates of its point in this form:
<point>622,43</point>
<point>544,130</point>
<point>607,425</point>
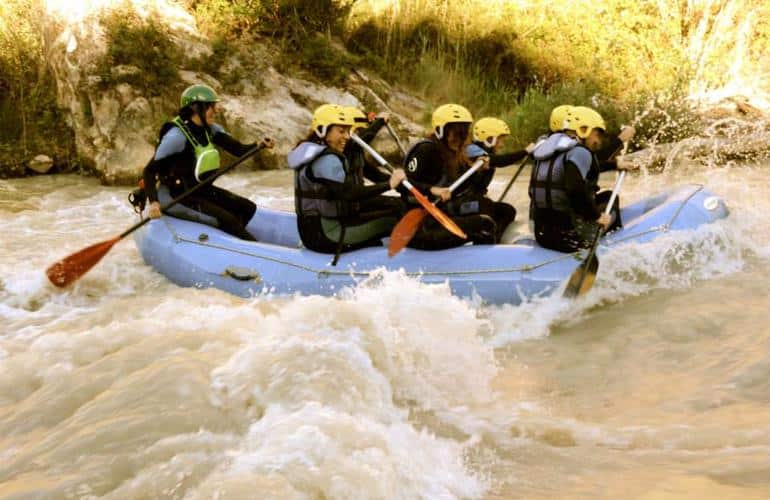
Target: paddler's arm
<point>228,142</point>
<point>172,144</point>
<point>368,134</point>
<point>504,160</point>
<point>581,195</point>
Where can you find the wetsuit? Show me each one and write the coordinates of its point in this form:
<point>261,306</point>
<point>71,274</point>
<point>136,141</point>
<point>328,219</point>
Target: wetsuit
<point>362,169</point>
<point>173,165</point>
<point>336,212</point>
<point>606,155</point>
<point>503,213</point>
<point>563,191</point>
<point>428,164</point>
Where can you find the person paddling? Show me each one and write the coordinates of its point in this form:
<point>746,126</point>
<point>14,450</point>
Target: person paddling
<point>564,184</point>
<point>187,154</point>
<point>432,165</point>
<point>366,131</point>
<point>606,155</point>
<point>489,135</point>
<point>332,203</point>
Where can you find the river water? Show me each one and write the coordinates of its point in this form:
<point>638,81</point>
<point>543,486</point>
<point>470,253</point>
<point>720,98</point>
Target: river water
<point>655,385</point>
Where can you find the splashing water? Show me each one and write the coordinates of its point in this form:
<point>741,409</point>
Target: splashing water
<point>127,386</point>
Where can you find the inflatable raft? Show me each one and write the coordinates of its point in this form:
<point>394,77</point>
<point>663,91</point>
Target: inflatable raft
<point>196,255</point>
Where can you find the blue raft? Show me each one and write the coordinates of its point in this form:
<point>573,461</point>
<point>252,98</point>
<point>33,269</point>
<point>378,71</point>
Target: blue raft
<point>196,255</point>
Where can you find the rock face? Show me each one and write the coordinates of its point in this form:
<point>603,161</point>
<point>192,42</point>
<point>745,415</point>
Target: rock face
<point>115,126</point>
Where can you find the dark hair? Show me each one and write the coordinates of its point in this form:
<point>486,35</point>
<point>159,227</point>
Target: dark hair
<point>197,107</point>
<point>453,160</point>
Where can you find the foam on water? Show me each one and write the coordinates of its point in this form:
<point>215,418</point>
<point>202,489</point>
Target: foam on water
<point>312,397</point>
<point>127,386</point>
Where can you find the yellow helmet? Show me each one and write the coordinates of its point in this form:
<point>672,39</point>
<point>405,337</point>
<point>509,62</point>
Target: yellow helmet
<point>488,129</point>
<point>359,118</point>
<point>558,116</point>
<point>449,113</point>
<point>583,120</point>
<point>330,114</point>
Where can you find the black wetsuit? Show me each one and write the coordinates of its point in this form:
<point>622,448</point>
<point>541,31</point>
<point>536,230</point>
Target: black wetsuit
<point>173,165</point>
<point>336,211</point>
<point>374,206</point>
<point>426,166</point>
<point>503,213</point>
<point>564,189</point>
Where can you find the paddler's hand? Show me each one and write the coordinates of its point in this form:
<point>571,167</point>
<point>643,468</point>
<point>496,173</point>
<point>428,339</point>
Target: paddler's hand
<point>154,210</point>
<point>627,133</point>
<point>485,165</point>
<point>622,163</point>
<point>397,177</point>
<point>268,143</point>
<point>530,147</point>
<point>444,194</point>
<point>385,116</point>
<point>604,220</point>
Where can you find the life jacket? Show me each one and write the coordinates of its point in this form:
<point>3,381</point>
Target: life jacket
<point>483,178</point>
<point>547,187</point>
<point>312,197</point>
<point>207,157</point>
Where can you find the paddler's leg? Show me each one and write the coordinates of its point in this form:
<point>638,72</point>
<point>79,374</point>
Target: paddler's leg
<point>242,208</point>
<point>228,222</point>
<point>481,230</point>
<point>366,234</point>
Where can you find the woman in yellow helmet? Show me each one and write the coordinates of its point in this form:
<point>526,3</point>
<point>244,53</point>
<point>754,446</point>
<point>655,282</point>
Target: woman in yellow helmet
<point>489,135</point>
<point>432,165</point>
<point>187,154</point>
<point>366,130</point>
<point>564,182</point>
<point>328,195</point>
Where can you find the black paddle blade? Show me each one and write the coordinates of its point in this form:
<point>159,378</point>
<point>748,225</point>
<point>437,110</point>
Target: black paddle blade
<point>582,278</point>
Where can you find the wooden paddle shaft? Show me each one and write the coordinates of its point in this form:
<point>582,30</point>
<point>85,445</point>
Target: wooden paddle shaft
<point>615,190</point>
<point>395,138</point>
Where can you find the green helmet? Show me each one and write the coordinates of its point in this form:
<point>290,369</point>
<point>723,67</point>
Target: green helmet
<point>198,93</point>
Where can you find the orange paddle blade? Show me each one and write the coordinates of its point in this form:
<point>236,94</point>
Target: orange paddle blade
<point>440,216</point>
<point>404,231</point>
<point>72,267</point>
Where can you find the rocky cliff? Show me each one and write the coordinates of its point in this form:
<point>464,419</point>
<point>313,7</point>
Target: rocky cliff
<point>115,122</point>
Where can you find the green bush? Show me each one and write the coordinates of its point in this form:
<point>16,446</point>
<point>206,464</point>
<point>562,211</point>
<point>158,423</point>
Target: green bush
<point>31,121</point>
<point>144,44</point>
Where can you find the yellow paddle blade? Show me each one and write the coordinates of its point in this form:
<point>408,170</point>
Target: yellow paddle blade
<point>582,279</point>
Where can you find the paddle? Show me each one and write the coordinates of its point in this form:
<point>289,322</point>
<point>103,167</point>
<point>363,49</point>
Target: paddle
<point>582,279</point>
<point>440,216</point>
<point>513,179</point>
<point>395,138</point>
<point>407,227</point>
<point>71,268</point>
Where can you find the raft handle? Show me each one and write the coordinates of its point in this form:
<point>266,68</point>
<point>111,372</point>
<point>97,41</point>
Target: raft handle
<point>243,274</point>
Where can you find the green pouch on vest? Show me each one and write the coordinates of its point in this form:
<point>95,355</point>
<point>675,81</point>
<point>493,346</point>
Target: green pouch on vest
<point>207,159</point>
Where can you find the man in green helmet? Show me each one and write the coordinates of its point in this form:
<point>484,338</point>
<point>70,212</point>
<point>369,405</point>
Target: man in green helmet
<point>187,154</point>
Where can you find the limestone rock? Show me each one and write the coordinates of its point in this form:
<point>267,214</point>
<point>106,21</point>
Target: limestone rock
<point>115,126</point>
<point>40,164</point>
